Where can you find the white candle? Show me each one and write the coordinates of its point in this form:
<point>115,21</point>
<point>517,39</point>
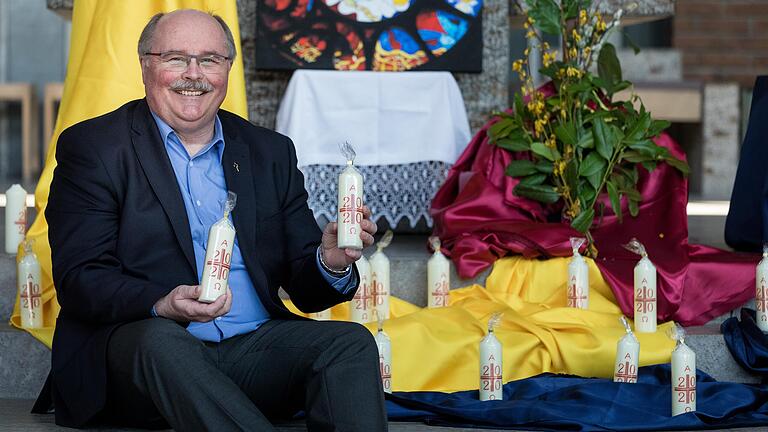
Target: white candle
<point>350,204</point>
<point>627,356</point>
<point>438,276</point>
<point>578,277</point>
<point>361,306</point>
<point>683,376</point>
<point>761,297</point>
<point>28,274</point>
<point>324,315</point>
<point>380,277</point>
<point>491,364</point>
<point>15,218</point>
<point>218,255</point>
<point>645,296</point>
<point>384,344</point>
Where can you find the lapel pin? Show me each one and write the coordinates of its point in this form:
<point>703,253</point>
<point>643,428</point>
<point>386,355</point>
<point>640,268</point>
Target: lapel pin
<point>237,167</point>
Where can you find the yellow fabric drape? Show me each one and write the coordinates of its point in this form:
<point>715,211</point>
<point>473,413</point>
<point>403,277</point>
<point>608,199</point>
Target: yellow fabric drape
<point>103,73</point>
<point>437,349</point>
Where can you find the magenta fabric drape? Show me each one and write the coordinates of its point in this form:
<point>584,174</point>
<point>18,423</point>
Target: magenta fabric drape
<point>479,220</point>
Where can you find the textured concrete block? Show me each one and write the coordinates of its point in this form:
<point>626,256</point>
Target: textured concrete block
<point>24,364</point>
<point>7,285</point>
<point>713,357</point>
<point>721,139</point>
<point>651,65</point>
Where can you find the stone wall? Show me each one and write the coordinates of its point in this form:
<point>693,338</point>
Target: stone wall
<point>722,40</point>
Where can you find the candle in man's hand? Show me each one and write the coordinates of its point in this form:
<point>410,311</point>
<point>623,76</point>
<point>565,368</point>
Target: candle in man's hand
<point>350,203</point>
<point>218,255</point>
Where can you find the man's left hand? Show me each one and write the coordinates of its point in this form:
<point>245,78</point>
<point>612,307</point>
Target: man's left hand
<point>338,259</point>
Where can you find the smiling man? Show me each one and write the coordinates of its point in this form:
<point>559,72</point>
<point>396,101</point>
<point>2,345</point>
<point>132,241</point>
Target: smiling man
<point>133,196</point>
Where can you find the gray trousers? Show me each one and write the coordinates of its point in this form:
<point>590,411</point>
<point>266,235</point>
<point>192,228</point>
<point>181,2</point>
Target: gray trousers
<point>160,375</point>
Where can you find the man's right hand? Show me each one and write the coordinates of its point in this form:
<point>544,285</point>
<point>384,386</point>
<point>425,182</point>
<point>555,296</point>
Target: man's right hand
<point>182,305</point>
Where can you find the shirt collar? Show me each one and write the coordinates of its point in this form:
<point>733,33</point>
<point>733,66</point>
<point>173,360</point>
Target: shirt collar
<point>170,137</point>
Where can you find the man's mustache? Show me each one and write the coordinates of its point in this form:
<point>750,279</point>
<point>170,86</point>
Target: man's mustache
<point>191,85</point>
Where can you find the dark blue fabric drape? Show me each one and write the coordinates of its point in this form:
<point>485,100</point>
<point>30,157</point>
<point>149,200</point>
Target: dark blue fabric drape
<point>748,345</point>
<point>746,227</point>
<point>561,402</point>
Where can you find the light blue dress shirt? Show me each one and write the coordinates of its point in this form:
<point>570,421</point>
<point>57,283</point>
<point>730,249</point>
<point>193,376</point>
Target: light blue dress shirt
<point>204,189</point>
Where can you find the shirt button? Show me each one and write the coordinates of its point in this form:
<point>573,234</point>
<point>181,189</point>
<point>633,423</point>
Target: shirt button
<point>198,203</point>
<point>191,163</point>
<point>218,318</point>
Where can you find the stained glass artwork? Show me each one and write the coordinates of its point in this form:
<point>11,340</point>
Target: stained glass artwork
<point>381,35</point>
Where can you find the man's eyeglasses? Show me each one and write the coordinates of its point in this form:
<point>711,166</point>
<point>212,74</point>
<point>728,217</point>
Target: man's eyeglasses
<point>179,62</point>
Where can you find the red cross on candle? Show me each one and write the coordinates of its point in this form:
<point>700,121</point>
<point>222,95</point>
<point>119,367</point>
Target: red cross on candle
<point>492,375</point>
<point>575,296</point>
<point>351,209</point>
<point>627,375</point>
<point>364,296</point>
<point>762,297</point>
<point>22,221</point>
<point>378,292</point>
<point>687,390</point>
<point>645,299</point>
<point>221,264</point>
<point>441,293</point>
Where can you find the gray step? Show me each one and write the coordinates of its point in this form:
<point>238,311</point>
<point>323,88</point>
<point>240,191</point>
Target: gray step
<point>24,363</point>
<point>16,417</point>
<point>7,283</point>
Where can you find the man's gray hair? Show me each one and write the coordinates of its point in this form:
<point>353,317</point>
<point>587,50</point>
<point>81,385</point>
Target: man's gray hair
<point>145,40</point>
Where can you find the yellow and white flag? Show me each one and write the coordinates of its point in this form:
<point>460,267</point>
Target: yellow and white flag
<point>103,73</point>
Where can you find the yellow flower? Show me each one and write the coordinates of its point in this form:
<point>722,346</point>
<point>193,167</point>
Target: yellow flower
<point>576,35</point>
<point>572,53</point>
<point>600,24</point>
<point>573,72</point>
<point>582,17</point>
<point>530,34</point>
<point>545,46</point>
<point>517,65</point>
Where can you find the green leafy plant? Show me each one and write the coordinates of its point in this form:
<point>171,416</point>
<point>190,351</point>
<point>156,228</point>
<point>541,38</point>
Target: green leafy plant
<point>580,142</point>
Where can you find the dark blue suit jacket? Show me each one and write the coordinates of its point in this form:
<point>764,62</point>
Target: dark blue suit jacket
<point>746,227</point>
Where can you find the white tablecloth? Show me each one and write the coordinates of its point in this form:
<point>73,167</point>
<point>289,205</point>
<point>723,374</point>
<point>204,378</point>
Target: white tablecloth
<point>389,117</point>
